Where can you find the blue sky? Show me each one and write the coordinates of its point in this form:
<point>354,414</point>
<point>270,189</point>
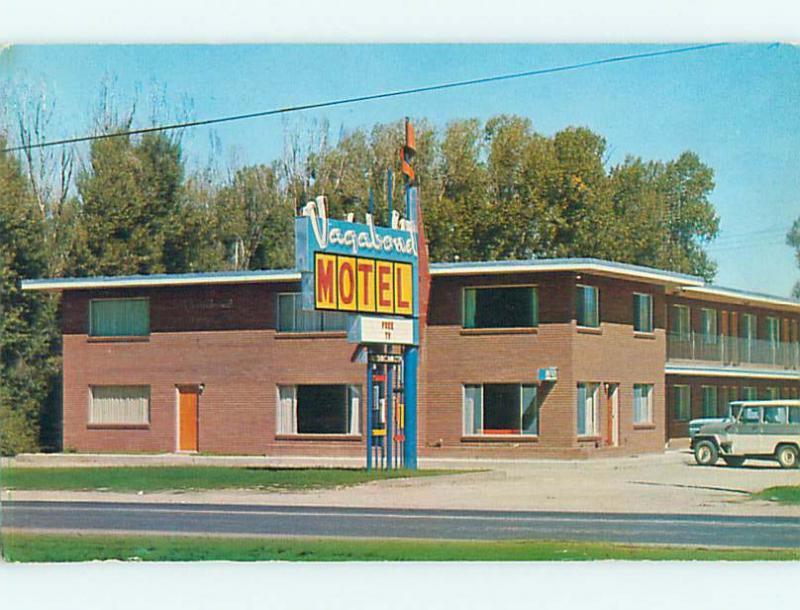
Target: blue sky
<point>736,106</point>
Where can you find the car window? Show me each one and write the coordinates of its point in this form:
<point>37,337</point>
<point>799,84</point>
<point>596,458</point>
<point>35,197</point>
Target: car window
<point>774,415</point>
<point>794,415</point>
<point>750,415</point>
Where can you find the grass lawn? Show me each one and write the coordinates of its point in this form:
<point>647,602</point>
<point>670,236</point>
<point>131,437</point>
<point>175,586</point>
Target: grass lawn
<point>58,547</point>
<point>184,478</point>
<point>785,494</point>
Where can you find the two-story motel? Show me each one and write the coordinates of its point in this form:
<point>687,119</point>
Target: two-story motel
<point>230,363</point>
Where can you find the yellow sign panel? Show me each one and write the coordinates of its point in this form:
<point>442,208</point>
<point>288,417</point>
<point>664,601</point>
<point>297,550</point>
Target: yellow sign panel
<point>363,285</point>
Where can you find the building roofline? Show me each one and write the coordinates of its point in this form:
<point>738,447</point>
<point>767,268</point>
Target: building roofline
<point>683,284</point>
<point>584,265</point>
<point>735,295</point>
<point>165,279</point>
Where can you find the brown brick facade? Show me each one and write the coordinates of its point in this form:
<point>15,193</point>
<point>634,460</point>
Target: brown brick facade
<point>224,338</point>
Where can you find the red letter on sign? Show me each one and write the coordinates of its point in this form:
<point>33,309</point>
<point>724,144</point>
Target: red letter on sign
<point>385,292</point>
<point>325,297</point>
<point>347,282</point>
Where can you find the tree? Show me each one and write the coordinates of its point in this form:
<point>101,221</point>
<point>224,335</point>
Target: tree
<point>28,333</point>
<point>793,239</point>
<point>255,220</point>
<point>131,198</point>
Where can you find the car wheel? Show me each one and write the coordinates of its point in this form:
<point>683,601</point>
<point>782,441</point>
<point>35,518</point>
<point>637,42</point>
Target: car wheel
<point>732,460</point>
<point>787,456</point>
<point>706,453</point>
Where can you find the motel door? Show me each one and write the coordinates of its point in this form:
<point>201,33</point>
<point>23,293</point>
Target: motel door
<point>188,399</point>
<point>612,415</point>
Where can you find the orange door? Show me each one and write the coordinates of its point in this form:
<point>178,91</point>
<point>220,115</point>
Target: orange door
<point>187,420</point>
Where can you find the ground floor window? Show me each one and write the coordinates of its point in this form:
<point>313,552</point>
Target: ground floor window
<point>749,393</point>
<point>319,409</point>
<point>642,403</point>
<point>588,409</point>
<point>501,408</point>
<point>772,393</point>
<point>709,401</point>
<point>682,407</point>
<point>119,405</point>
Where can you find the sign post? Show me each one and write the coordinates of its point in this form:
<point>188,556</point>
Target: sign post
<point>371,273</point>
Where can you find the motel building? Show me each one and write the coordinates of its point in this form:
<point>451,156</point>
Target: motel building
<point>559,357</point>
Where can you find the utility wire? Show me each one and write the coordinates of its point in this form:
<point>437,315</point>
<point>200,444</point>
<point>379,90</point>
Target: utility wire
<point>370,97</point>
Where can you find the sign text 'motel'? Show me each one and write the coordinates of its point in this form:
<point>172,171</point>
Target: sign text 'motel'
<point>356,267</point>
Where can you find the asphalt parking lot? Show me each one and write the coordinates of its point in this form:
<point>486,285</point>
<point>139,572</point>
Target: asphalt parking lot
<point>655,483</point>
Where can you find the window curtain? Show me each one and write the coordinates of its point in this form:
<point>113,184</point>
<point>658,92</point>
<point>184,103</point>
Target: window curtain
<point>709,401</point>
<point>287,410</point>
<point>534,307</point>
<point>120,405</point>
<point>581,416</point>
<point>530,410</point>
<point>643,313</point>
<point>119,318</point>
<point>469,308</point>
<point>354,415</point>
<point>473,410</point>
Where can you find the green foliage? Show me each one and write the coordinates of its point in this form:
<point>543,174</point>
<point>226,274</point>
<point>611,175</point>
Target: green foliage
<point>25,547</point>
<point>500,190</point>
<point>162,478</point>
<point>28,329</point>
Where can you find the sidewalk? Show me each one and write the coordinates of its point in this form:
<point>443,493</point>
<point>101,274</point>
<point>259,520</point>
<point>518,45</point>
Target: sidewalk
<point>660,483</point>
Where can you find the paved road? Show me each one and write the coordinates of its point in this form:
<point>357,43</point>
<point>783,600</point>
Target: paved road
<point>375,523</point>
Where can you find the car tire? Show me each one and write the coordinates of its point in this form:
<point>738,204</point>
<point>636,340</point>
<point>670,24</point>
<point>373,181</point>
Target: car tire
<point>733,460</point>
<point>706,453</point>
<point>786,456</point>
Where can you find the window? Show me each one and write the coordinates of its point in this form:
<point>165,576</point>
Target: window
<point>772,393</point>
<point>727,395</point>
<point>587,306</point>
<point>775,415</point>
<point>683,402</point>
<point>319,409</point>
<point>748,333</point>
<point>749,393</point>
<point>708,325</point>
<point>642,403</point>
<point>588,409</point>
<point>794,415</point>
<point>119,317</point>
<point>501,307</point>
<point>709,401</point>
<point>119,405</point>
<point>501,408</point>
<point>680,321</point>
<point>773,339</point>
<point>292,318</point>
<point>750,415</point>
<point>642,312</point>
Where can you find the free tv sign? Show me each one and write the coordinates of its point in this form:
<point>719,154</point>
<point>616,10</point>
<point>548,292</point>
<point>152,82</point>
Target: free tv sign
<point>356,267</point>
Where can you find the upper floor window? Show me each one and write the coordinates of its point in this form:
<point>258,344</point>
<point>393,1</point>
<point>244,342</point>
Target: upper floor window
<point>708,325</point>
<point>119,317</point>
<point>748,329</point>
<point>642,312</point>
<point>587,306</point>
<point>773,331</point>
<point>292,318</point>
<point>680,325</point>
<point>501,307</point>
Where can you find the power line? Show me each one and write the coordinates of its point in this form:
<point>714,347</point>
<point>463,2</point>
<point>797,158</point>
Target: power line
<point>370,97</point>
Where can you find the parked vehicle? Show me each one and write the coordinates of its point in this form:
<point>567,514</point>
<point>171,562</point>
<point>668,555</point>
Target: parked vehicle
<point>696,424</point>
<point>756,429</point>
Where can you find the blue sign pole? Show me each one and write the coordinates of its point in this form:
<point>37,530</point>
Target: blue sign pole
<point>369,416</point>
<point>410,364</point>
<point>389,416</point>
